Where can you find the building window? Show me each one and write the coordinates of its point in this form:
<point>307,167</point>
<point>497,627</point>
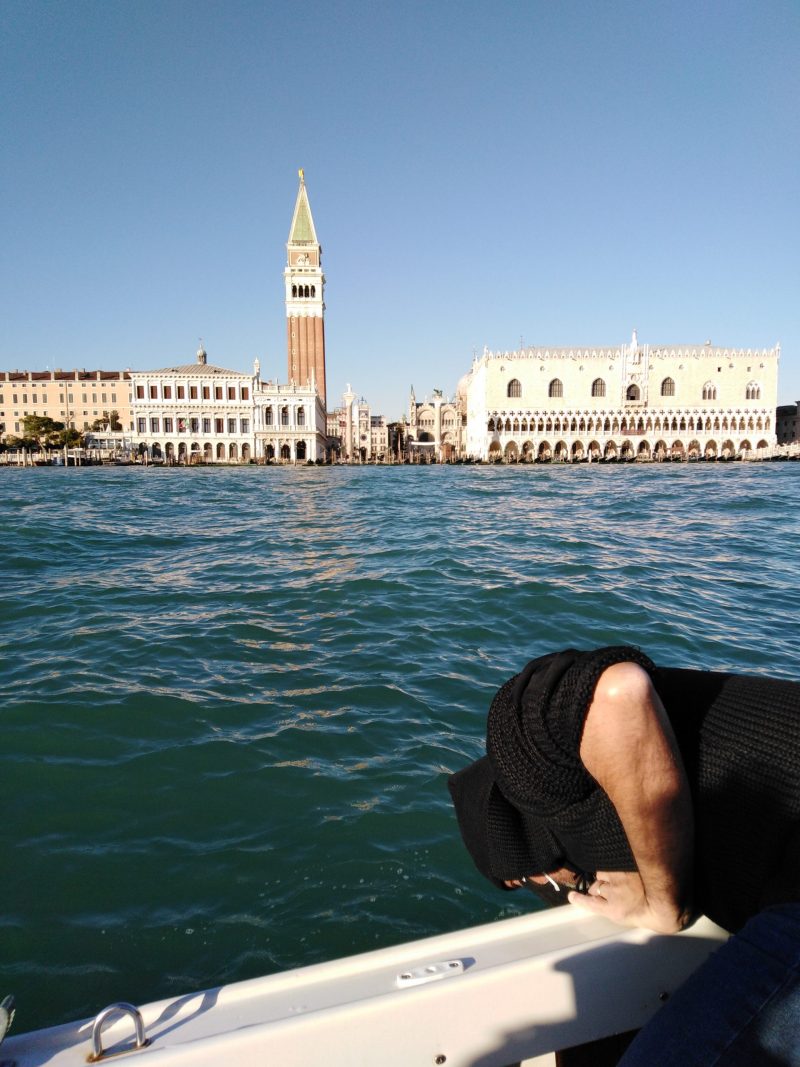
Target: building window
<point>192,392</point>
<point>245,423</point>
<point>245,393</point>
<point>180,392</point>
<point>709,391</point>
<point>268,416</point>
<point>167,392</point>
<point>194,425</point>
<point>181,425</point>
<point>668,387</point>
<point>753,391</point>
<point>154,425</point>
<point>556,388</point>
<point>153,393</point>
<point>284,416</point>
<point>301,416</point>
<point>141,425</point>
<point>218,392</point>
<point>167,425</point>
<point>231,425</point>
<point>206,425</point>
<point>219,425</point>
<point>231,392</point>
<point>206,392</point>
<point>598,387</point>
<point>632,393</point>
<point>514,387</point>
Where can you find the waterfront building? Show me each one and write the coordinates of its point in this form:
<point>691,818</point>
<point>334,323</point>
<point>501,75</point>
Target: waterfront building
<point>305,305</point>
<point>788,423</point>
<point>379,438</point>
<point>192,413</point>
<point>435,427</point>
<point>289,421</point>
<point>355,434</point>
<point>633,401</point>
<point>76,398</point>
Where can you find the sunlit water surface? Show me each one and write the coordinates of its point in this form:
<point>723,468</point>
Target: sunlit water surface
<point>232,698</point>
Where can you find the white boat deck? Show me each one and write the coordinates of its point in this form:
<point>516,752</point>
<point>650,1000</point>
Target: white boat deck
<point>488,996</point>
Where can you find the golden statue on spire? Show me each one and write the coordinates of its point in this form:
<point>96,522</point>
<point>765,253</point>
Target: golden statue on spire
<point>302,175</point>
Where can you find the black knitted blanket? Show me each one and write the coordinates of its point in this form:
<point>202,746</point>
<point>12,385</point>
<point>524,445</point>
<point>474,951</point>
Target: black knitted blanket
<point>740,741</point>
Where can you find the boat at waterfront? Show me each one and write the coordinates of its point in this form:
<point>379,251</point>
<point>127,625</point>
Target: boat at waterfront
<point>503,993</point>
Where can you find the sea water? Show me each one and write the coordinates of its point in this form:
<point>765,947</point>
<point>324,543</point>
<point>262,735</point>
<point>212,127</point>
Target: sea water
<point>232,697</point>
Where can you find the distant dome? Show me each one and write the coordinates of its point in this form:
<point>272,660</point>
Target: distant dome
<point>463,384</point>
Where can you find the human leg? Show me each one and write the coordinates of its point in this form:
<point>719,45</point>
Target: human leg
<point>740,1009</point>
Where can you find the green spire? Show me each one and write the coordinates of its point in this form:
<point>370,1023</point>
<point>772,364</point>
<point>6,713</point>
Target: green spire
<point>302,230</point>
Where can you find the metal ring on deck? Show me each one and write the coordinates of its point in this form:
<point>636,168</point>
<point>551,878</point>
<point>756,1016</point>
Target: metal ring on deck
<point>98,1052</point>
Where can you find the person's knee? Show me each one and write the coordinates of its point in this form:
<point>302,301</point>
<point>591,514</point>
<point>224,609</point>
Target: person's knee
<point>624,683</point>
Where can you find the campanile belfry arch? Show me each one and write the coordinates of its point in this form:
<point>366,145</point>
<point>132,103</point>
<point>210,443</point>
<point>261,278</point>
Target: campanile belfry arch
<point>305,305</point>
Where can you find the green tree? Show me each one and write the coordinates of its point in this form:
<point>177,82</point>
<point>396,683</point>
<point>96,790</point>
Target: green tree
<point>71,437</point>
<point>41,431</point>
<point>109,421</point>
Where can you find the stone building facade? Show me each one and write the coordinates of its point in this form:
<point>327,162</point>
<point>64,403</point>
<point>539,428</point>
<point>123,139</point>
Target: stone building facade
<point>435,427</point>
<point>788,423</point>
<point>356,435</point>
<point>192,413</point>
<point>635,401</point>
<point>77,398</point>
<point>289,422</point>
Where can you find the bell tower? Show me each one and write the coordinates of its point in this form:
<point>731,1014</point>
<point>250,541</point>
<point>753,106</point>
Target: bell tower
<point>305,307</point>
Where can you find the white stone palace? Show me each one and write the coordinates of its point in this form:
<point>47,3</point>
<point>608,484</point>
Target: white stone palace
<point>633,401</point>
<point>289,421</point>
<point>193,413</point>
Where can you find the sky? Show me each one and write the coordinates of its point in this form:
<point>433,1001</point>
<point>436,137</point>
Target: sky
<point>480,175</point>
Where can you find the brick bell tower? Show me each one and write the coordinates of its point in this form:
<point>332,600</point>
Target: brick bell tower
<point>305,307</point>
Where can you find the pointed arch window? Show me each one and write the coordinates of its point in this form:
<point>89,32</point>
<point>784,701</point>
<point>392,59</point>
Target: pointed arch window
<point>556,388</point>
<point>514,387</point>
<point>753,391</point>
<point>668,387</point>
<point>632,393</point>
<point>709,391</point>
<point>294,290</point>
<point>598,387</point>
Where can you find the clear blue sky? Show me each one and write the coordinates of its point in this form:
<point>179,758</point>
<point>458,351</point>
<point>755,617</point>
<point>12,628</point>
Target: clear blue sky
<point>560,172</point>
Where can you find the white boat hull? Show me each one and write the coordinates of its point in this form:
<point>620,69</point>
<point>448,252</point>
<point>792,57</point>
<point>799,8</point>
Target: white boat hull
<point>488,996</point>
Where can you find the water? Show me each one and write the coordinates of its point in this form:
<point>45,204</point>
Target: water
<point>232,698</point>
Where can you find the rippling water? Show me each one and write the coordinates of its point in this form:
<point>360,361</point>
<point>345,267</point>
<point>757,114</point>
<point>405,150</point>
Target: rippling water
<point>232,697</point>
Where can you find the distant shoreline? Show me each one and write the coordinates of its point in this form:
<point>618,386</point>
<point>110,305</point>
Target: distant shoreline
<point>792,455</point>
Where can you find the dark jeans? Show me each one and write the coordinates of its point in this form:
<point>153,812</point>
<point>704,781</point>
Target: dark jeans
<point>740,1009</point>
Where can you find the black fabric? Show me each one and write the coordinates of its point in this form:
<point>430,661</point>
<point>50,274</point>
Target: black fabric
<point>503,841</point>
<point>740,741</point>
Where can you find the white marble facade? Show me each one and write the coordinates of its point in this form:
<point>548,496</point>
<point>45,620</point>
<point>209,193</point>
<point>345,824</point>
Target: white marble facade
<point>193,413</point>
<point>630,401</point>
<point>289,423</point>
